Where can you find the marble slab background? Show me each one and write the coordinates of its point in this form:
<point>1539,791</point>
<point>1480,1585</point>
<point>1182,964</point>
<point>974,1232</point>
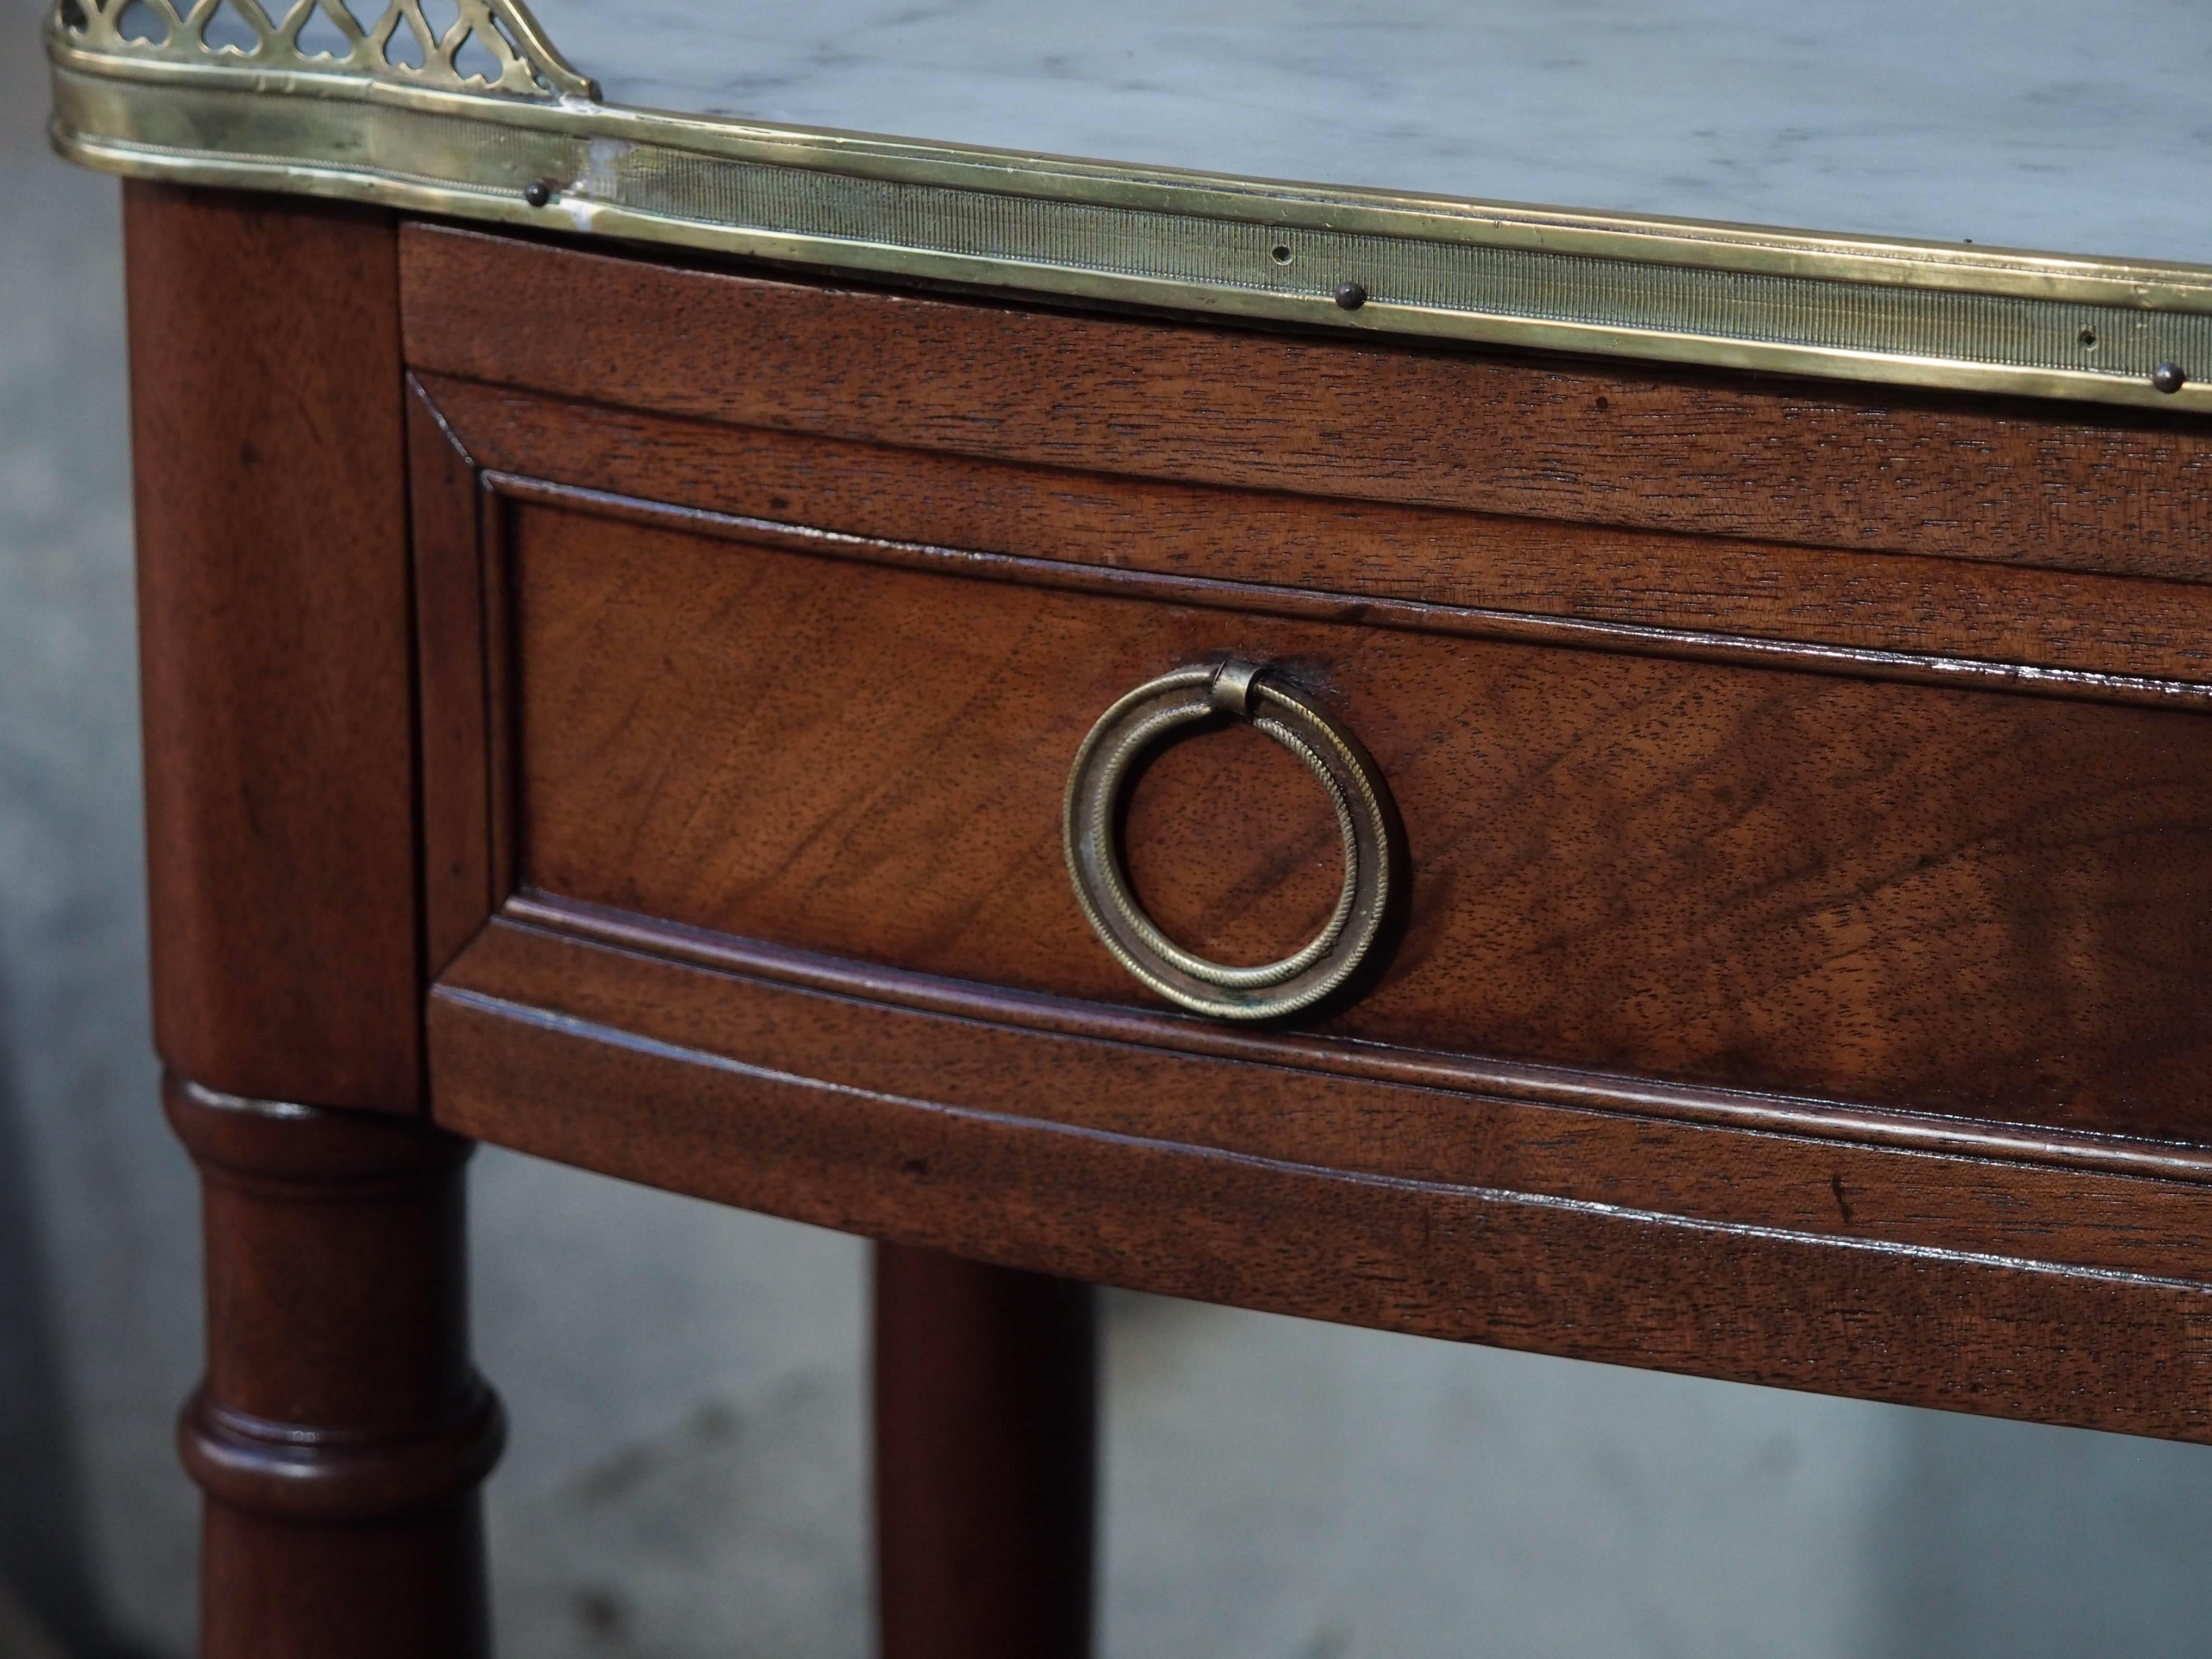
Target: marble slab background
<point>685,1475</point>
<point>2040,124</point>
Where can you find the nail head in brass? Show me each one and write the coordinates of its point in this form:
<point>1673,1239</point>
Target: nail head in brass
<point>1096,865</point>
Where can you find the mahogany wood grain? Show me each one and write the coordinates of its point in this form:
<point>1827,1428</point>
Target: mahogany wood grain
<point>1423,1068</point>
<point>450,685</point>
<point>1383,611</point>
<point>1766,590</point>
<point>984,1435</point>
<point>1894,894</point>
<point>1403,1209</point>
<point>271,493</point>
<point>1138,1075</point>
<point>1488,430</point>
<point>1728,842</point>
<point>341,1432</point>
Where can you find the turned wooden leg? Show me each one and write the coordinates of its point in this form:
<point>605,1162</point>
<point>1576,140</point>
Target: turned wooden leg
<point>985,1438</point>
<point>341,1432</point>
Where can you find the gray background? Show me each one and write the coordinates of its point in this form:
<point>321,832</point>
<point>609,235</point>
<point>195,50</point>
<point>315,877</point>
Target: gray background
<point>686,1476</point>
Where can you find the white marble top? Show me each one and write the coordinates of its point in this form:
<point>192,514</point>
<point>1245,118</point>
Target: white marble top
<point>2083,127</point>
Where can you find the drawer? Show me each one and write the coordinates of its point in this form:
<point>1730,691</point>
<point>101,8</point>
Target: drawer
<point>1792,963</point>
<point>1761,878</point>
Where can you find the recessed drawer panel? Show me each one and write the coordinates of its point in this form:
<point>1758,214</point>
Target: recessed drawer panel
<point>1876,890</point>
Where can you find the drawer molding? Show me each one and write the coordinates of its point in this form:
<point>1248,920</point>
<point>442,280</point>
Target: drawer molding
<point>1465,622</point>
<point>1961,1282</point>
<point>1753,1111</point>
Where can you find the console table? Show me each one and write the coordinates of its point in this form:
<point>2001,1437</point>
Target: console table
<point>1608,782</point>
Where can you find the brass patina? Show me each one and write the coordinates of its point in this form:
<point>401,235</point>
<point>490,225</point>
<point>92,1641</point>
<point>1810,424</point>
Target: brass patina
<point>398,118</point>
<point>1097,866</point>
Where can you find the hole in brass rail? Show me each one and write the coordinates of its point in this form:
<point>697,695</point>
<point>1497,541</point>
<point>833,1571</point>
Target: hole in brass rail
<point>227,30</point>
<point>404,49</point>
<point>321,37</point>
<point>1231,846</point>
<point>140,22</point>
<point>474,57</point>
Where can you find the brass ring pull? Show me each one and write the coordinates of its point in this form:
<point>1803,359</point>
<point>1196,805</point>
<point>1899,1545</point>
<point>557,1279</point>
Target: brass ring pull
<point>1095,864</point>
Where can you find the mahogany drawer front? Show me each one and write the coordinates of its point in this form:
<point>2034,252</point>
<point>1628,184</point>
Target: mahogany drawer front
<point>789,650</point>
<point>792,930</point>
<point>1795,972</point>
<point>1769,879</point>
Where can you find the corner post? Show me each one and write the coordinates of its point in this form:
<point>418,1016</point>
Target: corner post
<point>341,1432</point>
